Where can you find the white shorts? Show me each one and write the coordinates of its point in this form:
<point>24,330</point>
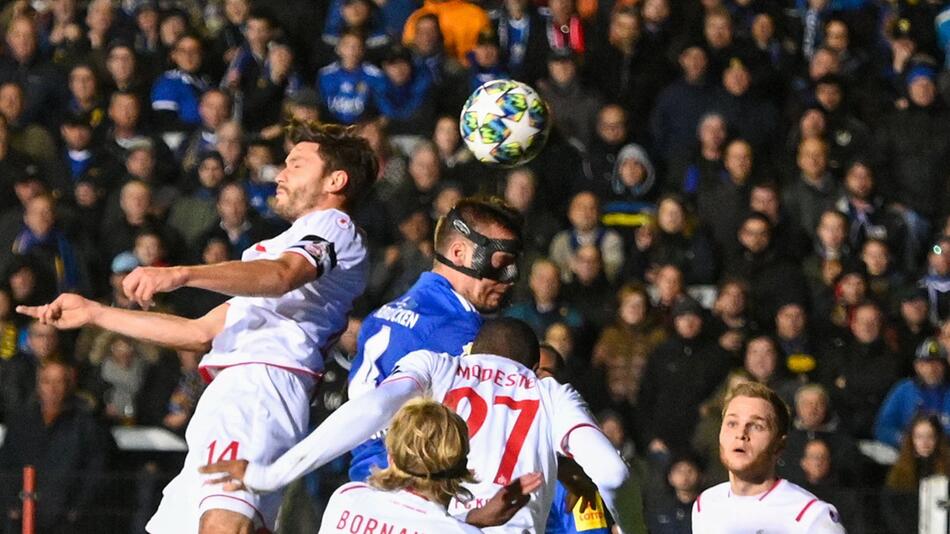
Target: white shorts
<point>253,412</point>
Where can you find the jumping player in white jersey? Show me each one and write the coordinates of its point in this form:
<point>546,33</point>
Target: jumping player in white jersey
<point>291,297</point>
<point>427,447</point>
<point>517,424</point>
<point>754,427</point>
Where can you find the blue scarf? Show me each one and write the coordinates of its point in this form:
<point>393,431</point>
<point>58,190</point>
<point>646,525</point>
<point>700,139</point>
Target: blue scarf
<point>67,270</point>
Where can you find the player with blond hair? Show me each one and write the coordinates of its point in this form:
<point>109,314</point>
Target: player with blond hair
<point>755,424</point>
<point>428,450</point>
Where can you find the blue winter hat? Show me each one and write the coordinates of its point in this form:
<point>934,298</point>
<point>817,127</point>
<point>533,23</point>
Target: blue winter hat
<point>921,71</point>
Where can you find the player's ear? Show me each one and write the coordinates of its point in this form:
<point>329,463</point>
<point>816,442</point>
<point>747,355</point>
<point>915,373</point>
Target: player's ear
<point>457,251</point>
<point>336,182</point>
<point>780,444</point>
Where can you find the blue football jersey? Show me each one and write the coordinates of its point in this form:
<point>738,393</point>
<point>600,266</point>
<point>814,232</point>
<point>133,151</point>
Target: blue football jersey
<point>430,316</point>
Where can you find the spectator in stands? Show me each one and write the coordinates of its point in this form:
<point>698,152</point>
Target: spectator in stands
<point>235,225</point>
<point>429,53</point>
<point>680,105</point>
<point>23,65</point>
<point>81,165</point>
<point>868,218</point>
<point>763,363</point>
<point>129,129</point>
<point>540,225</point>
<point>764,198</point>
<point>884,280</point>
<point>176,95</point>
<point>937,280</point>
<point>813,189</point>
<point>14,168</point>
<point>589,291</point>
<point>723,202</point>
<point>124,72</point>
<point>121,371</point>
<point>214,108</point>
<point>458,163</point>
<point>912,327</point>
<point>611,133</point>
<point>29,138</point>
<point>192,215</point>
<point>346,86</point>
<point>631,186</point>
<point>848,137</point>
<point>65,444</point>
<point>633,335</point>
<point>261,72</point>
<point>681,373</point>
<point>913,149</point>
<point>927,393</point>
<point>18,369</point>
<point>459,22</point>
<point>730,322</point>
<point>584,214</point>
<point>772,278</point>
<point>855,392</point>
<point>831,245</point>
<point>425,174</point>
<point>403,97</point>
<point>520,30</point>
<point>813,420</point>
<point>402,263</point>
<point>697,168</point>
<point>42,239</point>
<point>820,476</point>
<point>546,305</point>
<point>750,117</point>
<point>624,67</point>
<point>924,452</point>
<point>230,144</point>
<point>671,512</point>
<point>564,90</point>
<point>484,61</point>
<point>671,241</point>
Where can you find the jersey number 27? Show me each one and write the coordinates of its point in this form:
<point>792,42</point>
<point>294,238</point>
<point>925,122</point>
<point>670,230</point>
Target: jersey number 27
<point>526,409</point>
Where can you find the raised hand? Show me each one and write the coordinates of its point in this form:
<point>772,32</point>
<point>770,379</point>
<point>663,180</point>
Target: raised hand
<point>67,311</point>
<point>506,503</point>
<point>141,285</point>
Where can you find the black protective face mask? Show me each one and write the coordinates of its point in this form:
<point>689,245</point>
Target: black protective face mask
<point>485,247</point>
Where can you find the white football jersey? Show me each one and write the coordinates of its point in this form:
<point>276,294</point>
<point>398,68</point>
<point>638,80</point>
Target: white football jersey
<point>784,509</point>
<point>516,423</point>
<point>356,507</point>
<point>292,330</point>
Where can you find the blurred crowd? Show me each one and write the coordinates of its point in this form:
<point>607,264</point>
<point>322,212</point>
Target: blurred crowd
<point>732,190</point>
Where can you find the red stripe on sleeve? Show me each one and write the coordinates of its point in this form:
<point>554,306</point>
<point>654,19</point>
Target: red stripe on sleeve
<point>798,518</point>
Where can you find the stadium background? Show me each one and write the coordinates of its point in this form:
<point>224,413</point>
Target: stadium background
<point>125,142</point>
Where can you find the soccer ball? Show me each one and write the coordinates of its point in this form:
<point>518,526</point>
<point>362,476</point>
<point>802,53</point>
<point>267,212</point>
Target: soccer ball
<point>505,123</point>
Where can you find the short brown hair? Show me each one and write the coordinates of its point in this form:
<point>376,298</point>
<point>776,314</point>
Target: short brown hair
<point>782,419</point>
<point>343,150</point>
<point>478,212</point>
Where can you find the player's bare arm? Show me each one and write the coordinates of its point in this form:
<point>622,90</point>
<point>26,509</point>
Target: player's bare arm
<point>256,278</point>
<point>73,311</point>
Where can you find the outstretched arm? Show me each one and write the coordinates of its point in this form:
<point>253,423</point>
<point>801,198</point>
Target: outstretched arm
<point>72,311</point>
<point>256,278</point>
<point>351,424</point>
